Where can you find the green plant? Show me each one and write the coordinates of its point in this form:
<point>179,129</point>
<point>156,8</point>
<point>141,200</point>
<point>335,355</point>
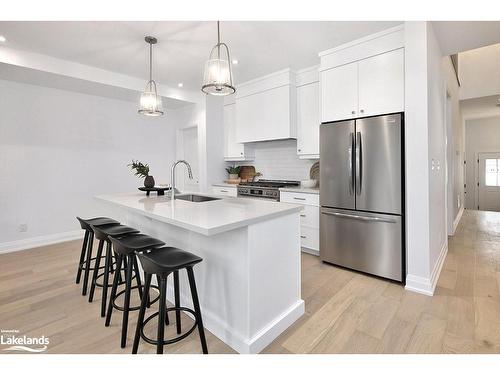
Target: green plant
<point>233,170</point>
<point>141,170</point>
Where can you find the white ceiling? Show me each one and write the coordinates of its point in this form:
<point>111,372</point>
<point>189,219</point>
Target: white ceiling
<point>261,47</point>
<point>460,36</point>
<point>486,106</point>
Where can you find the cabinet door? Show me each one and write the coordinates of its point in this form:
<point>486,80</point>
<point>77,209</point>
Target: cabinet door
<point>381,84</point>
<point>339,93</point>
<point>232,149</point>
<point>308,119</point>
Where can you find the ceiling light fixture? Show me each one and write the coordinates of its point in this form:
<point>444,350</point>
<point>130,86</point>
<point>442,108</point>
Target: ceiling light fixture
<point>218,77</point>
<point>235,62</point>
<point>150,103</point>
<point>180,84</point>
<point>2,39</point>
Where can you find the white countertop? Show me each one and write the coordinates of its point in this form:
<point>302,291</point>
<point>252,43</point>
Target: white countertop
<point>301,190</point>
<point>207,218</point>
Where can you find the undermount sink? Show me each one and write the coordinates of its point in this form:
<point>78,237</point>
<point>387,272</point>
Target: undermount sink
<point>195,198</point>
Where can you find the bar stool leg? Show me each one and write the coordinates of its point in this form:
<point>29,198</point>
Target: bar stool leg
<point>82,256</point>
<point>177,302</point>
<point>161,315</point>
<point>96,270</point>
<point>87,268</point>
<point>137,276</point>
<point>107,270</point>
<point>140,319</point>
<point>197,310</point>
<point>158,282</point>
<point>113,289</point>
<point>126,304</point>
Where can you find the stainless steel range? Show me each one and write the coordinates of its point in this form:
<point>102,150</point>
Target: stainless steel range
<point>266,189</point>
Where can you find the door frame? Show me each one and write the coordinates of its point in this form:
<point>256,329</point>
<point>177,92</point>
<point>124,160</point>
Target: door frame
<point>476,175</point>
<point>180,154</point>
<point>449,163</point>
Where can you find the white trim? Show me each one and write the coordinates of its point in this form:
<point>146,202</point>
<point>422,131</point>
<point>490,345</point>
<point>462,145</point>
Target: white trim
<point>50,239</point>
<point>457,219</point>
<point>310,251</point>
<point>425,285</point>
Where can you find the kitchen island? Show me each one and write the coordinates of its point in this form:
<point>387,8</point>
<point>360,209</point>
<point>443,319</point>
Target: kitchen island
<point>249,280</point>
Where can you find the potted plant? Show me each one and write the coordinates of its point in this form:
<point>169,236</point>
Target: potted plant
<point>142,171</point>
<point>233,172</point>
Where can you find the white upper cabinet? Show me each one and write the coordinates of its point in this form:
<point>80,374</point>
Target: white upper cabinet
<point>364,77</point>
<point>265,108</point>
<point>233,150</point>
<point>381,83</point>
<point>308,120</point>
<point>339,93</point>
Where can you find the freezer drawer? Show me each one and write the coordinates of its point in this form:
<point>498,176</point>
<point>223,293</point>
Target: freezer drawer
<point>366,242</point>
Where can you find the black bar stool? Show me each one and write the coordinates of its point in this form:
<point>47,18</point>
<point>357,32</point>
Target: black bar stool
<point>126,249</point>
<point>161,263</point>
<point>88,240</point>
<point>102,234</point>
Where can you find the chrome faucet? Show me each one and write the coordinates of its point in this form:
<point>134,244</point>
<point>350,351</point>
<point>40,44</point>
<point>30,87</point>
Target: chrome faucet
<point>172,176</point>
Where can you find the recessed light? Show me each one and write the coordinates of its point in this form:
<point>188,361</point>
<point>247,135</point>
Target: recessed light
<point>2,39</point>
<point>180,84</point>
<point>235,62</point>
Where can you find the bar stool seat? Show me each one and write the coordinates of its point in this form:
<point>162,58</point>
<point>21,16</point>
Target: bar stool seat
<point>102,233</point>
<point>86,258</point>
<point>161,263</point>
<point>136,243</point>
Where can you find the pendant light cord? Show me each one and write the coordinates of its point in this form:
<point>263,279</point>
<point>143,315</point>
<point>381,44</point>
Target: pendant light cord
<point>218,40</point>
<point>150,62</point>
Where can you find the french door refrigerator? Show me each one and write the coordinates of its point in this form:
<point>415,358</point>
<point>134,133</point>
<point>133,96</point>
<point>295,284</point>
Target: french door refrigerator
<point>361,220</point>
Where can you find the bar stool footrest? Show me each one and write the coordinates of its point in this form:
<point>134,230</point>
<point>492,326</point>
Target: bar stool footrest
<point>175,339</point>
<point>134,308</point>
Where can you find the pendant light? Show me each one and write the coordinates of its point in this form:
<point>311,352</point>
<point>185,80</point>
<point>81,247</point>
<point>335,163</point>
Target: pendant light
<point>150,103</point>
<point>218,77</point>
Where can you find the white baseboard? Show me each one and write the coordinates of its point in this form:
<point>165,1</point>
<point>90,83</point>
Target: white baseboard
<point>425,285</point>
<point>310,251</point>
<point>50,239</point>
<point>457,219</point>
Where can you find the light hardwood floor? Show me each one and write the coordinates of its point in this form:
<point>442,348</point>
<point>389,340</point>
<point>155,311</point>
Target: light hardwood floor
<point>346,312</point>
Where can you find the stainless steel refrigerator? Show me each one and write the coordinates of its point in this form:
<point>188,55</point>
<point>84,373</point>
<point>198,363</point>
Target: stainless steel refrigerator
<point>361,195</point>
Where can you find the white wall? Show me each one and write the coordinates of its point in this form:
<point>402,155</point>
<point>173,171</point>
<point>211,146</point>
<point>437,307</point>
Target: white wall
<point>479,72</point>
<point>278,160</point>
<point>457,142</point>
<point>481,135</point>
<point>59,148</point>
<point>424,142</point>
<point>437,149</point>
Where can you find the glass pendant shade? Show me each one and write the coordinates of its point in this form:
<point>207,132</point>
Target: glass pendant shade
<point>218,77</point>
<point>150,103</point>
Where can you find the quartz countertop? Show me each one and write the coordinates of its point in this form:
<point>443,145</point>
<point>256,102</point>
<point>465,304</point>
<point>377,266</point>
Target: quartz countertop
<point>207,218</point>
<point>224,184</point>
<point>301,190</point>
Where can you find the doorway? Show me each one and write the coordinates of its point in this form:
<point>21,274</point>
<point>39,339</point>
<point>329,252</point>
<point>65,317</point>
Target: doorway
<point>488,181</point>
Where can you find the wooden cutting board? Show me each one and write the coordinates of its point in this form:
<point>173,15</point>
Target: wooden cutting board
<point>247,172</point>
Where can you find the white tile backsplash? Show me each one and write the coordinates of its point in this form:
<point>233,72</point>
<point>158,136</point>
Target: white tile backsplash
<point>278,160</point>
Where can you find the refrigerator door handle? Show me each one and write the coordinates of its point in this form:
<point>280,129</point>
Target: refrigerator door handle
<point>359,164</point>
<point>350,164</point>
<point>358,217</point>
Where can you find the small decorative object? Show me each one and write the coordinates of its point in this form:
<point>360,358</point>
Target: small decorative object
<point>233,172</point>
<point>314,173</point>
<point>308,184</point>
<point>142,171</point>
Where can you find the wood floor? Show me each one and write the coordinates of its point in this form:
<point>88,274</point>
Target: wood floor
<point>346,312</point>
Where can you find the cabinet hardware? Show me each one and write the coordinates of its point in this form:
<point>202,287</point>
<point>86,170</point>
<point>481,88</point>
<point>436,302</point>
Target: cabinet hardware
<point>353,112</point>
<point>302,215</point>
<point>299,199</point>
<point>224,191</point>
<point>303,237</point>
<point>241,153</point>
<point>299,150</point>
<point>362,111</point>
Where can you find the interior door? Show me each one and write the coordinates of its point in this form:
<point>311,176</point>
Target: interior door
<point>489,181</point>
<point>339,93</point>
<point>378,164</point>
<point>336,165</point>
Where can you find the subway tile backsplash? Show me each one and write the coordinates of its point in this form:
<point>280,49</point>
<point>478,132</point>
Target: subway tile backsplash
<point>278,160</point>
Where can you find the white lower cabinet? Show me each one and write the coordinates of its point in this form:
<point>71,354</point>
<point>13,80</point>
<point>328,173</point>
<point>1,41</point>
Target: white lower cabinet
<point>309,218</point>
<point>229,191</point>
